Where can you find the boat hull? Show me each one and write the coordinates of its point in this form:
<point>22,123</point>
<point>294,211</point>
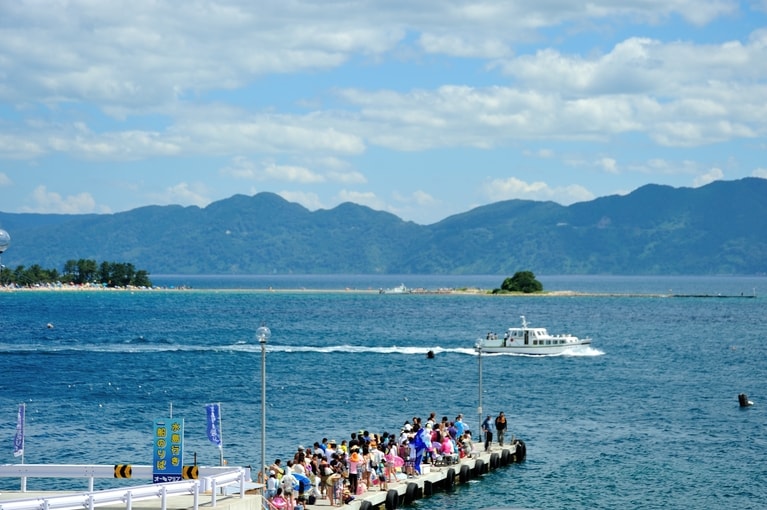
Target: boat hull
<point>539,350</point>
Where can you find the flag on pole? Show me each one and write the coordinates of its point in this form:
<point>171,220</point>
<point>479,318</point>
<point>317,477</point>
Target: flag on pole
<point>213,411</point>
<point>18,440</point>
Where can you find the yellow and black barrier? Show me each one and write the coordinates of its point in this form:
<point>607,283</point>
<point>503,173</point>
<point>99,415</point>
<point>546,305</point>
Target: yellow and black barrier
<point>123,471</point>
<point>190,473</point>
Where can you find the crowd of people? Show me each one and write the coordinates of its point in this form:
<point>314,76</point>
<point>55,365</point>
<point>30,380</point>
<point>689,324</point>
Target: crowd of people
<point>339,471</point>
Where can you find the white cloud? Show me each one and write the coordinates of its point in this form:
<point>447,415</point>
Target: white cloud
<point>760,172</point>
<point>48,202</point>
<point>418,197</point>
<point>679,94</point>
<point>240,132</point>
<point>367,198</point>
<point>251,84</point>
<point>715,174</point>
<point>16,146</point>
<point>349,177</point>
<point>5,180</point>
<point>511,187</point>
<point>461,46</point>
<point>423,199</point>
<point>291,174</point>
<point>144,54</point>
<point>241,168</point>
<point>244,168</point>
<point>309,200</point>
<point>419,205</point>
<point>642,65</point>
<point>609,165</point>
<point>184,194</point>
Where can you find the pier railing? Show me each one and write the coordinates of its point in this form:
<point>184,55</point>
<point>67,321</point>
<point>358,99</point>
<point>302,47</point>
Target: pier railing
<point>211,480</point>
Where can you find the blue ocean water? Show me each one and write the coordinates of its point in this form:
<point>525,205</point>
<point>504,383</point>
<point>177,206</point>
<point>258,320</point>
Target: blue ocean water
<point>647,418</point>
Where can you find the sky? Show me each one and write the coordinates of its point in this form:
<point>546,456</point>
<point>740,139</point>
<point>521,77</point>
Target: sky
<point>422,108</point>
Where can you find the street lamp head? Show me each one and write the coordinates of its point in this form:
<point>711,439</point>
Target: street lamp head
<point>263,333</point>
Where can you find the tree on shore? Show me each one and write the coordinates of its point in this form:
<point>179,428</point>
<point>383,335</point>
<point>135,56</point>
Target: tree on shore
<point>522,281</point>
<point>78,272</point>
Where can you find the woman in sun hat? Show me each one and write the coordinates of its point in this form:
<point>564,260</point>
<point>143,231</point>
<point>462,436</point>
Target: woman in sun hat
<point>354,464</point>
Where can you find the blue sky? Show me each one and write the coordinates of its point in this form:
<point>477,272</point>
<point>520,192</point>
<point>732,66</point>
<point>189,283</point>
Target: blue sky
<point>422,108</point>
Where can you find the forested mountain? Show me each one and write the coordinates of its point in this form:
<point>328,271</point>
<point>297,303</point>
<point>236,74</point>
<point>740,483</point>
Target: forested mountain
<point>720,228</point>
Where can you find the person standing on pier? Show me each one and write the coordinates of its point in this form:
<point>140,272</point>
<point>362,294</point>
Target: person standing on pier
<point>500,427</point>
<point>460,427</point>
<point>487,429</point>
<point>354,466</point>
<point>286,484</point>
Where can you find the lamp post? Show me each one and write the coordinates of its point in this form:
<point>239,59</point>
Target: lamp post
<point>263,333</point>
<point>479,406</point>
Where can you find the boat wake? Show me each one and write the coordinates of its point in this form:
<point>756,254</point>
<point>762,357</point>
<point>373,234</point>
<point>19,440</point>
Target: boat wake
<point>354,349</point>
<point>142,346</point>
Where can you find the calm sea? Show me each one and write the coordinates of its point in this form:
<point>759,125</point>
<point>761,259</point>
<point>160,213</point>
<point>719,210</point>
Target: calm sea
<point>646,418</point>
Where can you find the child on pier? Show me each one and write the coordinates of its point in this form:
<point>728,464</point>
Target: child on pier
<point>278,502</point>
<point>338,492</point>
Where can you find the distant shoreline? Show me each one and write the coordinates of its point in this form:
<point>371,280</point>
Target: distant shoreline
<point>422,292</point>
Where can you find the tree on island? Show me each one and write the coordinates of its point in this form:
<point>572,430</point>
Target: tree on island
<point>522,281</point>
<point>78,272</point>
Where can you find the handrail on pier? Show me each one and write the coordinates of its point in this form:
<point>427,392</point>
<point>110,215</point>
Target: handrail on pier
<point>212,479</point>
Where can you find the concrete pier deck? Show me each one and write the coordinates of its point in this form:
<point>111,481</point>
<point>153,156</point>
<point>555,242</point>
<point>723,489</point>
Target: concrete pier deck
<point>438,478</point>
<point>401,493</point>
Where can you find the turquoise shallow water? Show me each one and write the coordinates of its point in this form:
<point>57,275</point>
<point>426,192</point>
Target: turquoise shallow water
<point>647,418</point>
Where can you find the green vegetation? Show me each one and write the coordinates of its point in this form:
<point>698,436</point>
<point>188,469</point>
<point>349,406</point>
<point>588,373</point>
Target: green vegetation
<point>522,281</point>
<point>78,272</point>
<point>655,230</point>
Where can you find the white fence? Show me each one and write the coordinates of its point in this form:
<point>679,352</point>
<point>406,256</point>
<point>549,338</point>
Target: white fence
<point>211,479</point>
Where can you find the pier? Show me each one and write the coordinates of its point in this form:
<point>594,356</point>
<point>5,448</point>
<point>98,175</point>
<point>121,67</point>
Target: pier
<point>434,479</point>
<point>228,489</point>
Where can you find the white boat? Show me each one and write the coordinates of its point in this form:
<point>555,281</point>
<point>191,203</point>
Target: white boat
<point>401,289</point>
<point>527,340</point>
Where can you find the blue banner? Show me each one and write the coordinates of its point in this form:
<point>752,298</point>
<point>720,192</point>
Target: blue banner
<point>18,440</point>
<point>168,450</point>
<point>213,411</point>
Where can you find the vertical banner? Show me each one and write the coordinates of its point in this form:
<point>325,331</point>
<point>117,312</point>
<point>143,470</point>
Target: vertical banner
<point>213,412</point>
<point>18,440</point>
<point>168,461</point>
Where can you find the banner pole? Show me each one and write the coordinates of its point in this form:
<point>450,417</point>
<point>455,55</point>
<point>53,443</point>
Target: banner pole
<point>221,435</point>
<point>18,440</point>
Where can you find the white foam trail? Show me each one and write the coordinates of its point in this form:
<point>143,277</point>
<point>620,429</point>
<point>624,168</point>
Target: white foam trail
<point>242,346</point>
<point>355,349</point>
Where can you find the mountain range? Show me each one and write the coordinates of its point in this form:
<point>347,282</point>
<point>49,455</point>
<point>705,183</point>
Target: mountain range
<point>719,228</point>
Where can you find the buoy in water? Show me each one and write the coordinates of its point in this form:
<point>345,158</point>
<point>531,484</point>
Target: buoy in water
<point>49,325</point>
<point>430,354</point>
<point>744,401</point>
